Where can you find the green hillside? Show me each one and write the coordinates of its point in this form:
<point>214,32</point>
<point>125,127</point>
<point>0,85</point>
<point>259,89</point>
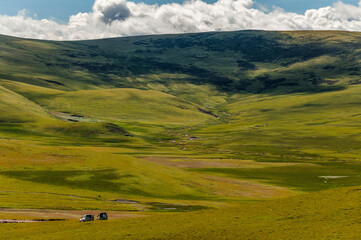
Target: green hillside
<point>252,61</point>
<point>15,108</point>
<point>130,105</point>
<point>231,135</point>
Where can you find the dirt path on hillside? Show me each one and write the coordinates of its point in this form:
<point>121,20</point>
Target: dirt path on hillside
<point>15,221</point>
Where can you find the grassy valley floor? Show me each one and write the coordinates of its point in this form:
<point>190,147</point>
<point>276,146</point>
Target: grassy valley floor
<point>331,214</point>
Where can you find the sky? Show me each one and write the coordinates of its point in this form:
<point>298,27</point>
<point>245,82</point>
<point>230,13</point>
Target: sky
<point>93,19</point>
<point>61,10</point>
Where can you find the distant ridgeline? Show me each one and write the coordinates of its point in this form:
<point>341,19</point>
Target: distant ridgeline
<point>231,62</point>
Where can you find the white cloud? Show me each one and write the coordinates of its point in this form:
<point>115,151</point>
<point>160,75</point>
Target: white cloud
<point>113,18</point>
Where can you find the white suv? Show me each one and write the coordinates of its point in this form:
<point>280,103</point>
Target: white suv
<point>86,218</point>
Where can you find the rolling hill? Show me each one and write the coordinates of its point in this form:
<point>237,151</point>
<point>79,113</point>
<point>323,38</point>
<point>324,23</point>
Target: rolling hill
<point>15,108</point>
<point>251,61</point>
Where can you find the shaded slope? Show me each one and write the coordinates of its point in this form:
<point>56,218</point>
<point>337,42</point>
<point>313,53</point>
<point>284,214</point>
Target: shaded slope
<point>252,61</point>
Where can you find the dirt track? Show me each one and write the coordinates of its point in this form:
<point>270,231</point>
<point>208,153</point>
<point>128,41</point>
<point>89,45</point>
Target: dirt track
<point>15,221</point>
<point>59,214</point>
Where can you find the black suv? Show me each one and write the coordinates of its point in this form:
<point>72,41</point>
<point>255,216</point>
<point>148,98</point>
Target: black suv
<point>102,216</point>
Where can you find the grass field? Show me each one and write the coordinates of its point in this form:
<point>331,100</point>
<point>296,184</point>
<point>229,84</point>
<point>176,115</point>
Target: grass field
<point>310,216</point>
<point>239,135</point>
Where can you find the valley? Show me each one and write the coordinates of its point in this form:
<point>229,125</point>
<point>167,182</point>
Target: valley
<point>222,135</point>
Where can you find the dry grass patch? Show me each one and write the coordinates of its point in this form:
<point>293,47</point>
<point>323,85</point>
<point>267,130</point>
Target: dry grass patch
<point>184,162</point>
<point>245,189</point>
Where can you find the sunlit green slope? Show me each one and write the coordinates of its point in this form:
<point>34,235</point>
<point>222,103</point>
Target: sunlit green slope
<point>119,105</point>
<point>290,127</point>
<point>129,105</point>
<point>14,108</point>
